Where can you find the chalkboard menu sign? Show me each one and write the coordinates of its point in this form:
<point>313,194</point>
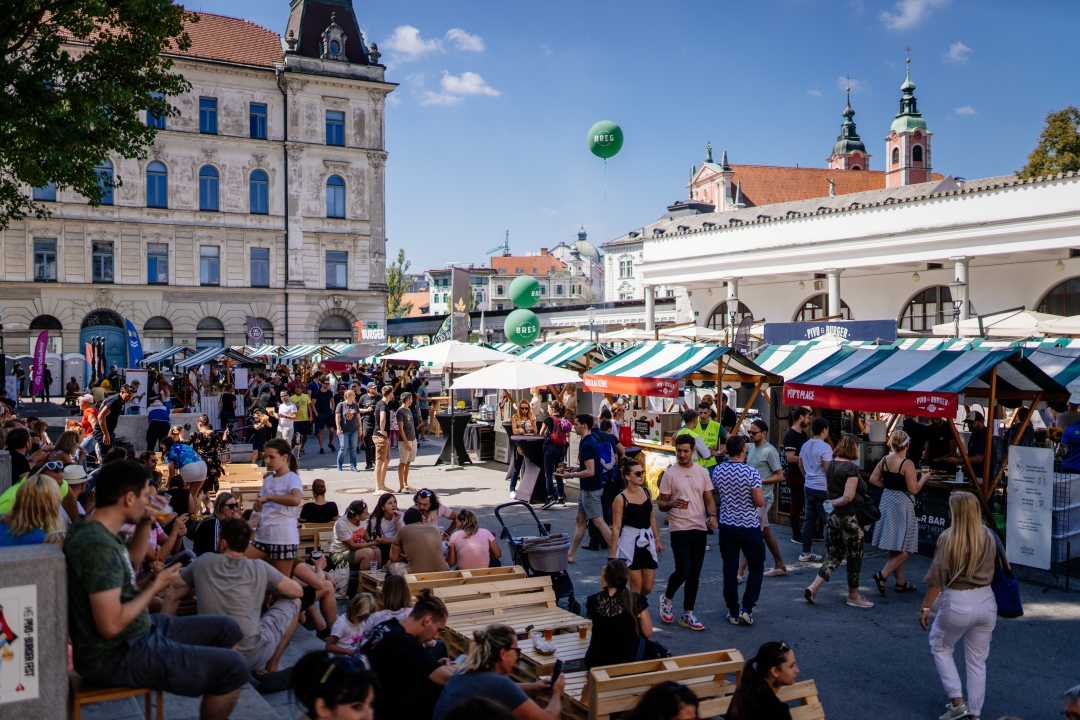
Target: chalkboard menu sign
<point>834,417</point>
<point>783,501</point>
<point>641,427</point>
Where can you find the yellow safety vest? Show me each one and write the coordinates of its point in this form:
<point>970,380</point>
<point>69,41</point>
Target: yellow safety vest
<point>696,432</point>
<point>711,435</point>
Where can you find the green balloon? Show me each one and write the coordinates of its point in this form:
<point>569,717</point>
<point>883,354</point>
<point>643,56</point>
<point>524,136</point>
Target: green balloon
<point>605,139</point>
<point>522,327</point>
<point>525,291</point>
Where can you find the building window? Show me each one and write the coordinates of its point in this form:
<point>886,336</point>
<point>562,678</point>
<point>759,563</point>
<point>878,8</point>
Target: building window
<point>720,317</point>
<point>916,154</point>
<point>211,333</point>
<point>257,120</point>
<point>818,307</point>
<point>626,268</point>
<point>335,197</point>
<point>260,267</point>
<point>500,290</point>
<point>101,256</point>
<point>157,264</point>
<point>337,264</point>
<point>157,335</point>
<point>543,289</point>
<point>558,290</point>
<point>335,329</point>
<point>519,270</point>
<point>157,185</point>
<point>46,193</point>
<point>1062,300</point>
<point>499,306</point>
<point>105,172</point>
<point>335,127</point>
<point>209,265</point>
<point>152,120</point>
<point>259,187</point>
<point>896,156</point>
<point>45,261</point>
<point>927,309</point>
<point>208,188</point>
<point>208,116</point>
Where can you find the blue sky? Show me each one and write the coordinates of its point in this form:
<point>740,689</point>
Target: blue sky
<point>487,131</point>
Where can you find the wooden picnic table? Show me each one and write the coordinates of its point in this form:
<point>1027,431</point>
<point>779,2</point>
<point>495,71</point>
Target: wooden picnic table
<point>372,582</point>
<point>459,629</point>
<point>569,647</point>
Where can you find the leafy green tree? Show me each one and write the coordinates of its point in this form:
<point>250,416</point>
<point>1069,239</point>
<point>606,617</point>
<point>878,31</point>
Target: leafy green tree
<point>1058,150</point>
<point>75,75</point>
<point>396,283</point>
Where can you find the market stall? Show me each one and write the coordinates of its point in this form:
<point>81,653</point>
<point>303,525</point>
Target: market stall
<point>208,398</point>
<point>579,356</point>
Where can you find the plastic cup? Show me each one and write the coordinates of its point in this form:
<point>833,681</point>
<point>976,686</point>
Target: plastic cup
<point>374,566</point>
<point>925,469</point>
<point>549,632</point>
<point>582,631</point>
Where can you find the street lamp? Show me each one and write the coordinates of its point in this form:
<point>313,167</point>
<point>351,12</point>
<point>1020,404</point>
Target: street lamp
<point>733,310</point>
<point>591,313</point>
<point>958,290</point>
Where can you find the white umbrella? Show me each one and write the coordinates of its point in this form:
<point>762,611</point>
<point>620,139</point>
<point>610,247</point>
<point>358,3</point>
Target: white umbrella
<point>1017,324</point>
<point>515,374</point>
<point>1061,325</point>
<point>452,352</point>
<point>693,333</point>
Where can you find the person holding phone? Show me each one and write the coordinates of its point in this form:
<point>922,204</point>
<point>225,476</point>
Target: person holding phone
<point>485,671</point>
<point>346,416</point>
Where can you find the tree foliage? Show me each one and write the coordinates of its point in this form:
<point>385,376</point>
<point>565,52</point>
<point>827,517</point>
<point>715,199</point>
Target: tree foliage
<point>1058,150</point>
<point>75,75</point>
<point>396,284</point>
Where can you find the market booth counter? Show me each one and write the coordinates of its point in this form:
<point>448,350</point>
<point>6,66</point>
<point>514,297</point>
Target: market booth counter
<point>934,383</point>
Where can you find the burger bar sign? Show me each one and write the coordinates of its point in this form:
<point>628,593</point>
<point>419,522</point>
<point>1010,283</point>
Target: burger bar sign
<point>368,331</point>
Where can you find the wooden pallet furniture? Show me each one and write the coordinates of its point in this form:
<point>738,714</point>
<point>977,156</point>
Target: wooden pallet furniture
<point>311,537</point>
<point>518,603</point>
<point>372,582</point>
<point>82,693</point>
<point>601,692</point>
<point>569,647</point>
<point>805,693</point>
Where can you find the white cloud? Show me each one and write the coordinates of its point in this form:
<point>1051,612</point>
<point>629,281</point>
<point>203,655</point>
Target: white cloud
<point>815,93</point>
<point>456,87</point>
<point>548,211</point>
<point>546,50</point>
<point>464,41</point>
<point>909,13</point>
<point>966,110</point>
<point>856,86</point>
<point>406,44</point>
<point>958,53</point>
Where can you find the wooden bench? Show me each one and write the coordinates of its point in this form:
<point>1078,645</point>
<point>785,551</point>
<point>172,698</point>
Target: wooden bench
<point>805,692</point>
<point>311,537</point>
<point>519,603</point>
<point>83,693</point>
<point>569,647</point>
<point>373,582</point>
<point>601,692</point>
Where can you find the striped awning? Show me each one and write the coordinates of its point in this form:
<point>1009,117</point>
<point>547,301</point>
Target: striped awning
<point>915,382</point>
<point>267,350</point>
<point>559,354</point>
<point>1060,363</point>
<point>655,368</point>
<point>162,355</point>
<point>298,352</point>
<point>796,357</point>
<point>210,354</point>
<point>508,348</point>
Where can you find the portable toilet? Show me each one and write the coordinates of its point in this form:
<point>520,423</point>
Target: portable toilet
<point>74,367</point>
<point>55,363</point>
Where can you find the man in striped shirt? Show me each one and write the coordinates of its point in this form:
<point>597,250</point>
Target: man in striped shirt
<point>739,488</point>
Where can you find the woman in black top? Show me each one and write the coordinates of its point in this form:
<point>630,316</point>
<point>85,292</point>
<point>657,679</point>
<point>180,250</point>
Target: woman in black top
<point>635,538</point>
<point>845,487</point>
<point>763,675</point>
<point>205,539</point>
<point>208,443</point>
<point>620,619</point>
<point>228,406</point>
<point>319,511</point>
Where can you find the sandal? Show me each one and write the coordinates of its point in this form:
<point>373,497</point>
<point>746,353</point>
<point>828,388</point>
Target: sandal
<point>906,587</point>
<point>880,580</point>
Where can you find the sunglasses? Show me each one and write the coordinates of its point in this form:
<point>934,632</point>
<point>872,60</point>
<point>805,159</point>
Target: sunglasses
<point>232,505</point>
<point>637,474</point>
<point>315,555</point>
<point>54,465</point>
<point>424,494</point>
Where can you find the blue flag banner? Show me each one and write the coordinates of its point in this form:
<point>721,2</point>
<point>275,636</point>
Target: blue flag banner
<point>134,345</point>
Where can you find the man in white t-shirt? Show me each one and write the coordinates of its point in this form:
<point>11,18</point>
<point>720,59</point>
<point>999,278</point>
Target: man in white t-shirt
<point>686,495</point>
<point>814,458</point>
<point>286,415</point>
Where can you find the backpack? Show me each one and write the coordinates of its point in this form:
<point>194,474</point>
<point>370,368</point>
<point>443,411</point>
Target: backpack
<point>608,458</point>
<point>559,431</point>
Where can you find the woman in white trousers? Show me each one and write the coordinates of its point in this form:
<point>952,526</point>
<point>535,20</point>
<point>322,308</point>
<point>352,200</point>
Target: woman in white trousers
<point>961,572</point>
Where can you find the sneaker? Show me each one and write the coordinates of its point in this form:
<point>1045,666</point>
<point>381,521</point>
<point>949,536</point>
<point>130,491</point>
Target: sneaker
<point>775,572</point>
<point>797,541</point>
<point>667,611</point>
<point>843,563</point>
<point>548,505</point>
<point>952,712</point>
<point>562,502</point>
<point>689,621</point>
<point>746,616</point>
<point>332,448</point>
<point>733,619</point>
<point>339,468</point>
<point>321,451</point>
<point>809,557</point>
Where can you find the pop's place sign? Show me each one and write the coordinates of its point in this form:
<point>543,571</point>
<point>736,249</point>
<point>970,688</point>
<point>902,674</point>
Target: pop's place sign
<point>783,333</point>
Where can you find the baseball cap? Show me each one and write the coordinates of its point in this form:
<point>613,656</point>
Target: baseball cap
<point>372,385</point>
<point>974,417</point>
<point>75,475</point>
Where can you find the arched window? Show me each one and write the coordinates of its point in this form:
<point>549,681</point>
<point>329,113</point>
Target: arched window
<point>157,185</point>
<point>157,335</point>
<point>856,168</point>
<point>818,307</point>
<point>933,306</point>
<point>1063,299</point>
<point>208,188</point>
<point>259,187</point>
<point>896,156</point>
<point>46,322</point>
<point>211,333</point>
<point>721,317</point>
<point>916,153</point>
<point>335,197</point>
<point>105,172</point>
<point>267,329</point>
<point>335,328</point>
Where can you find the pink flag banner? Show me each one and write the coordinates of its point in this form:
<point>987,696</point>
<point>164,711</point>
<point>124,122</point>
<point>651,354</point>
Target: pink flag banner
<point>38,383</point>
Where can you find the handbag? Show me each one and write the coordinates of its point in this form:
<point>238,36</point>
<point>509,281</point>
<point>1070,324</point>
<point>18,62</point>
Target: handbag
<point>1005,585</point>
<point>866,511</point>
<point>649,649</point>
<point>340,576</point>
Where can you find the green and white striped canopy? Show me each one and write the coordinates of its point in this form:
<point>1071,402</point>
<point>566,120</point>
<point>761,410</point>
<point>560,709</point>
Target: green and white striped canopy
<point>655,368</point>
<point>210,354</point>
<point>162,355</point>
<point>559,354</point>
<point>506,347</point>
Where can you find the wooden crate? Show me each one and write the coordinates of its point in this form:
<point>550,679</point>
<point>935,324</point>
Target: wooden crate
<point>373,582</point>
<point>569,647</point>
<point>311,537</point>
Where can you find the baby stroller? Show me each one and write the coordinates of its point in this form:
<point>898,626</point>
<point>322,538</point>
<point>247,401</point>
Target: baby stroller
<point>539,554</point>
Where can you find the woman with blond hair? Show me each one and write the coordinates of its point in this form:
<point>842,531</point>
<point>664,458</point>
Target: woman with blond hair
<point>471,546</point>
<point>66,449</point>
<point>844,487</point>
<point>485,673</point>
<point>897,531</point>
<point>963,567</point>
<point>35,514</point>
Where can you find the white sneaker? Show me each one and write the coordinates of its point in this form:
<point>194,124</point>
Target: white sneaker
<point>953,712</point>
<point>809,557</point>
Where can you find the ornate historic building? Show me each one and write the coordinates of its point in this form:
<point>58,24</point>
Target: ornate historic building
<point>263,198</point>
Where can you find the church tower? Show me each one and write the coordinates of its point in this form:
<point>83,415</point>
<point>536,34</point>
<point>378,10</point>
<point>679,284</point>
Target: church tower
<point>849,153</point>
<point>907,158</point>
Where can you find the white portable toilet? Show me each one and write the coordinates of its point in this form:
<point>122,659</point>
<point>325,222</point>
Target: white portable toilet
<point>54,363</point>
<point>74,367</point>
<point>27,364</point>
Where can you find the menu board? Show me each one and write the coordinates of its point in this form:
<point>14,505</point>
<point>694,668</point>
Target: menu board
<point>1030,513</point>
<point>646,424</point>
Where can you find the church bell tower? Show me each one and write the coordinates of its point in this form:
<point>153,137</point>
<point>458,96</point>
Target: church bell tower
<point>907,158</point>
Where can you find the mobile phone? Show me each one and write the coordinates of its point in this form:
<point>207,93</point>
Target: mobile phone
<point>557,671</point>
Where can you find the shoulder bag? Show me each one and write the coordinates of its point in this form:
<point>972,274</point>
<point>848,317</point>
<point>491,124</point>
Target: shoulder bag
<point>1005,585</point>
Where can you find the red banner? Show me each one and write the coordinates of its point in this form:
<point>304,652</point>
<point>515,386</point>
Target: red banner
<point>927,404</point>
<point>654,387</point>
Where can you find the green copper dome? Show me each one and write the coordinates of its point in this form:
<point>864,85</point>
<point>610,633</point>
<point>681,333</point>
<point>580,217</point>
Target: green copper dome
<point>848,140</point>
<point>909,118</point>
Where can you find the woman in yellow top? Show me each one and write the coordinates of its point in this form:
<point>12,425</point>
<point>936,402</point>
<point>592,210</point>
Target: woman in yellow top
<point>523,423</point>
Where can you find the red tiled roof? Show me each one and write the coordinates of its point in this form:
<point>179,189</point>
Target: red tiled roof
<point>766,184</point>
<point>420,301</point>
<point>227,39</point>
<point>531,264</point>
